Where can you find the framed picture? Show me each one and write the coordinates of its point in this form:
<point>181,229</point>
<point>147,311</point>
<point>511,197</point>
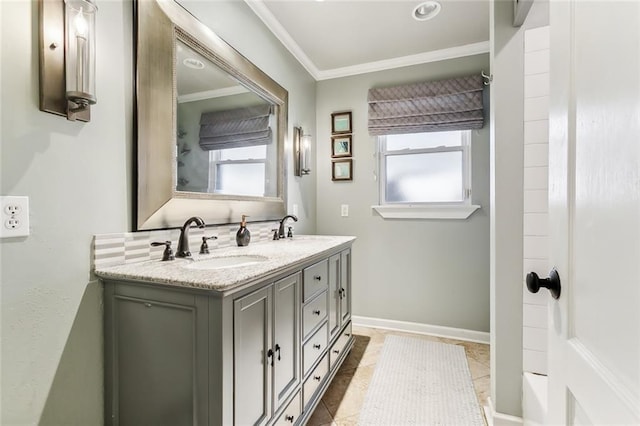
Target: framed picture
<point>341,122</point>
<point>342,170</point>
<point>341,146</point>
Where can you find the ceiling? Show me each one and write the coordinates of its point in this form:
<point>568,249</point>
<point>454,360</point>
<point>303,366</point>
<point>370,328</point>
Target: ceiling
<point>337,38</point>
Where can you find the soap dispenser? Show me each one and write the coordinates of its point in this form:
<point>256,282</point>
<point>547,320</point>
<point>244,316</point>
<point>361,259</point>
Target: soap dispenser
<point>243,236</point>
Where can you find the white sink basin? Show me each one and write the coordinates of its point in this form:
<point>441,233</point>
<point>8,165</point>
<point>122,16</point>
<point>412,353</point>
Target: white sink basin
<point>226,262</point>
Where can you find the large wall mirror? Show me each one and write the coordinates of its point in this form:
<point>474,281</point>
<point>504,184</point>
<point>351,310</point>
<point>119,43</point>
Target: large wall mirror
<point>211,125</point>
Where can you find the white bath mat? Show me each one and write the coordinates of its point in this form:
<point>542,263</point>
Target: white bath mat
<point>418,382</point>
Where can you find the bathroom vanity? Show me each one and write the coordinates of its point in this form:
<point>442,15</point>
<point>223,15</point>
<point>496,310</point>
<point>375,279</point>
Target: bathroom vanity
<point>246,335</point>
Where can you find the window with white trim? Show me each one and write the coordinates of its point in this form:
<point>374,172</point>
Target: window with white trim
<point>425,169</point>
<point>239,171</point>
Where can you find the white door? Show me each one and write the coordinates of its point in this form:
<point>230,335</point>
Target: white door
<point>594,207</point>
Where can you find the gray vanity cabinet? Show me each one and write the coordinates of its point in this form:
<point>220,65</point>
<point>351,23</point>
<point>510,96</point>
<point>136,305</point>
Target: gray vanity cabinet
<point>266,350</point>
<point>258,354</point>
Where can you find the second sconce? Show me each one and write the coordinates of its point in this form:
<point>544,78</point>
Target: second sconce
<point>301,152</point>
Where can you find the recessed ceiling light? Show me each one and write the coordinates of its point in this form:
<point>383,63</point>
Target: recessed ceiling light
<point>427,10</point>
<point>193,63</point>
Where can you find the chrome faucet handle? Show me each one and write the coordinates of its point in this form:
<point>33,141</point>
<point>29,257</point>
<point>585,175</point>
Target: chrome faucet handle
<point>204,247</point>
<point>290,232</point>
<point>275,234</point>
<point>168,253</point>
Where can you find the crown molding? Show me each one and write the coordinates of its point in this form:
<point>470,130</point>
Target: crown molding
<point>405,61</point>
<point>208,94</point>
<point>261,10</point>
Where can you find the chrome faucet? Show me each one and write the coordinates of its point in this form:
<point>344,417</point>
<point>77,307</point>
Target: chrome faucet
<point>281,228</point>
<point>183,241</point>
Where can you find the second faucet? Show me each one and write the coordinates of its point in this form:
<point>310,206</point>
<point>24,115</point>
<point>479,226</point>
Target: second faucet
<point>281,228</point>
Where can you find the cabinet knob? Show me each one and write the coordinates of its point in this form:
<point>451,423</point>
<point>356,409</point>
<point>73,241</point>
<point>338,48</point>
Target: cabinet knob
<point>335,351</point>
<point>317,346</point>
<point>317,277</point>
<point>316,312</point>
<point>317,378</point>
<point>347,334</point>
<point>270,355</point>
<point>148,305</point>
<point>289,418</point>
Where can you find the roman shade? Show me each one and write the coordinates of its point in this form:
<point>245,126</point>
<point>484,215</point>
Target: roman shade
<point>235,128</point>
<point>432,106</point>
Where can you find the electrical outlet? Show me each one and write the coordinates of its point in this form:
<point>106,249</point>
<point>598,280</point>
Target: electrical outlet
<point>15,217</point>
<point>344,210</point>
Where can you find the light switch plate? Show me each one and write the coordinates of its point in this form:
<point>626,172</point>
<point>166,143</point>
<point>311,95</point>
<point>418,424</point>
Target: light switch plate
<point>15,216</point>
<point>344,210</point>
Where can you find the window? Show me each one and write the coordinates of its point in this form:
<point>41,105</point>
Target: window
<point>238,171</point>
<point>425,172</point>
<point>425,167</point>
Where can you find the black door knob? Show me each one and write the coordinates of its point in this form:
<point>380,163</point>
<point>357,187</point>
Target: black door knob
<point>534,282</point>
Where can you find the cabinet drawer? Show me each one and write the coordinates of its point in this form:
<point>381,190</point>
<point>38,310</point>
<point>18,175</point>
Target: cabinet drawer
<point>315,380</point>
<point>314,348</point>
<point>340,344</point>
<point>315,278</point>
<point>290,414</point>
<point>314,313</point>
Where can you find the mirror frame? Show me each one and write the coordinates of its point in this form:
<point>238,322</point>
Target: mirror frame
<point>158,204</point>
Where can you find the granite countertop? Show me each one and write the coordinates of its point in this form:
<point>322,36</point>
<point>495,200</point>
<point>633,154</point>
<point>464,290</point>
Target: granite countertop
<point>273,256</point>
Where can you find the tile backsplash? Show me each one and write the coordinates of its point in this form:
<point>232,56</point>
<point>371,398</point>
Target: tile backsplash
<point>131,247</point>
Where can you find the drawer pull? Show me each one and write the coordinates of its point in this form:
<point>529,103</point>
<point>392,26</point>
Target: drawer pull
<point>347,334</point>
<point>317,378</point>
<point>335,351</point>
<point>289,418</point>
<point>316,312</point>
<point>317,346</point>
<point>317,277</point>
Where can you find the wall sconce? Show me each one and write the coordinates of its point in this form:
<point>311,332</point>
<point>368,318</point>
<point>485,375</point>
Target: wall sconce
<point>301,152</point>
<point>68,57</point>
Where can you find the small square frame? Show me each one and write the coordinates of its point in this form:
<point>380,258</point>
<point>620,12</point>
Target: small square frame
<point>342,170</point>
<point>340,122</point>
<point>341,146</point>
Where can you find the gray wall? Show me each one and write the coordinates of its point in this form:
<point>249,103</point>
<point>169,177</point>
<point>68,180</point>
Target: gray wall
<point>432,272</point>
<point>79,180</point>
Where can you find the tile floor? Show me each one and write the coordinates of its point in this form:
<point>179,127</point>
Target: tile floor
<point>340,405</point>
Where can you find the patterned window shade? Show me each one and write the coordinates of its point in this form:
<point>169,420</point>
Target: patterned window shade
<point>432,106</point>
<point>235,128</point>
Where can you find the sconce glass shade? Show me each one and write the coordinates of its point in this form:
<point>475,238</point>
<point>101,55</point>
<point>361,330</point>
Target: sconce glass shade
<point>80,60</point>
<point>305,154</point>
<point>301,152</point>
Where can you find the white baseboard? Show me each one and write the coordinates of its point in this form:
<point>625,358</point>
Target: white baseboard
<point>418,328</point>
<point>498,419</point>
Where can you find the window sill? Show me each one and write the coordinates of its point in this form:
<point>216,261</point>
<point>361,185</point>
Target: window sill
<point>425,212</point>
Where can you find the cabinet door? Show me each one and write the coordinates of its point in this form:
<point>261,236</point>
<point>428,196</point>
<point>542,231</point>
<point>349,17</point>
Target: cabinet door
<point>345,286</point>
<point>334,295</point>
<point>286,337</point>
<point>252,357</point>
<point>155,359</point>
